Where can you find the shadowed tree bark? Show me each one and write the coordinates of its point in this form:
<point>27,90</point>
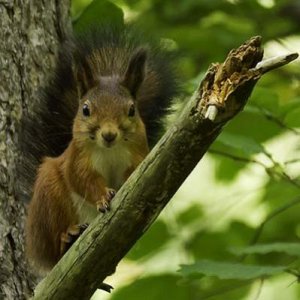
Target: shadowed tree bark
<point>30,34</point>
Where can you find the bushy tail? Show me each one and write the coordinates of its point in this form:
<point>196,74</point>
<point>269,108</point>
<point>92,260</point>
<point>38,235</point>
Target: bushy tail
<point>46,128</point>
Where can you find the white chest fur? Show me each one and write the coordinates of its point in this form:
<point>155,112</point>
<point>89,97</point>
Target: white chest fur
<point>112,164</point>
<point>86,211</point>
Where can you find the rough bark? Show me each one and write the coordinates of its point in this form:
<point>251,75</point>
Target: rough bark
<point>95,255</point>
<point>30,34</point>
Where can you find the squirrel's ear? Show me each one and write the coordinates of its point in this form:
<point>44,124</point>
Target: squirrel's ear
<point>84,78</point>
<point>135,72</point>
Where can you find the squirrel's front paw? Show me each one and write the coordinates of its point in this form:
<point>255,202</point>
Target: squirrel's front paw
<point>103,205</point>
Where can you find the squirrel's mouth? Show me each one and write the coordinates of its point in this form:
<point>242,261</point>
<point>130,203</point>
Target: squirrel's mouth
<point>108,144</point>
<point>104,144</point>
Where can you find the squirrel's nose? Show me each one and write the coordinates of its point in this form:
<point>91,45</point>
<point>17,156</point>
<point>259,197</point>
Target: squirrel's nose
<point>109,136</point>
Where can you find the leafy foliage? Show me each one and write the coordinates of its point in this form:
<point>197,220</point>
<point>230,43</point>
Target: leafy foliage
<point>229,270</point>
<point>98,12</point>
<point>288,248</point>
<point>164,286</point>
<point>246,190</point>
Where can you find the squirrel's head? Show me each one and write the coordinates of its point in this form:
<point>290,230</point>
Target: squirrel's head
<point>108,113</point>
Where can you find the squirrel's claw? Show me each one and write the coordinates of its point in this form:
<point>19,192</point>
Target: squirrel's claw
<point>68,238</point>
<point>110,193</point>
<point>104,204</point>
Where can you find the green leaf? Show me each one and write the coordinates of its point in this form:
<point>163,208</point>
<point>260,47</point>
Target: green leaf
<point>255,125</point>
<point>288,248</point>
<point>236,233</point>
<point>192,214</point>
<point>225,270</point>
<point>165,286</point>
<point>151,242</point>
<point>265,98</point>
<point>292,119</point>
<point>290,106</point>
<point>246,144</point>
<point>99,12</point>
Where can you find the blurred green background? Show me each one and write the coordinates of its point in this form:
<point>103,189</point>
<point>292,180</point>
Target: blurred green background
<point>246,190</point>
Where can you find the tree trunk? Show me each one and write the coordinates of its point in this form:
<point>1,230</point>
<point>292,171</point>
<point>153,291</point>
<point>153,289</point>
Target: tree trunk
<point>30,34</point>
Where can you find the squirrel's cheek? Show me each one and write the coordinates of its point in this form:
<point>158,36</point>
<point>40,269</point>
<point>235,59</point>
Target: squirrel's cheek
<point>128,126</point>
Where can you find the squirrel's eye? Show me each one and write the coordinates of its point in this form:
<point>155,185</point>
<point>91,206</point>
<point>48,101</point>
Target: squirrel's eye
<point>131,111</point>
<point>86,110</point>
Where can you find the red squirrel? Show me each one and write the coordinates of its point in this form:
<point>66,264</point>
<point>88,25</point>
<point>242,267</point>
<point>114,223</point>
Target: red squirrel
<point>89,132</point>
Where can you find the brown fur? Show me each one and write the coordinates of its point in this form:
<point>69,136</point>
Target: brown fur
<point>86,168</point>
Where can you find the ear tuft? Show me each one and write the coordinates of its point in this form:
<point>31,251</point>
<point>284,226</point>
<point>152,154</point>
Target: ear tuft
<point>83,77</point>
<point>135,73</point>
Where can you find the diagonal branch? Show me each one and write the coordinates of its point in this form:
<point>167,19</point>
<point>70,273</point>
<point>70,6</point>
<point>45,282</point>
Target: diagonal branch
<point>221,95</point>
